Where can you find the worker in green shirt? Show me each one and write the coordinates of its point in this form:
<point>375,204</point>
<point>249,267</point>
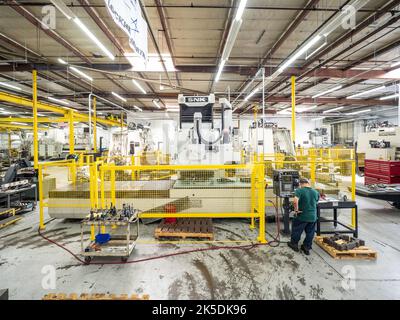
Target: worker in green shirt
<point>305,207</point>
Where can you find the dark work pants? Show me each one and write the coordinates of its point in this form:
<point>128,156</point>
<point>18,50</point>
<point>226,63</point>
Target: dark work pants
<point>298,227</point>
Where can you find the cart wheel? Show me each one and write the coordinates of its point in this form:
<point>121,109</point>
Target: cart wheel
<point>124,259</point>
<point>88,259</point>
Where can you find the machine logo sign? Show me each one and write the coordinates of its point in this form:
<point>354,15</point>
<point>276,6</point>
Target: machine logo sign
<point>196,99</point>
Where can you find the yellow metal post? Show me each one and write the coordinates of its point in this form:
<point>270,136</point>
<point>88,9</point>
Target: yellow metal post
<point>353,192</point>
<point>112,186</point>
<point>35,121</point>
<point>71,133</point>
<point>96,185</point>
<point>313,169</point>
<point>293,80</point>
<point>102,196</point>
<point>94,126</point>
<point>92,233</point>
<point>253,196</point>
<point>73,172</point>
<point>41,205</point>
<point>9,144</point>
<point>261,203</point>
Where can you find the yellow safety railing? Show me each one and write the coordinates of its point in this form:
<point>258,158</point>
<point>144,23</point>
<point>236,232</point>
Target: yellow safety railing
<point>324,175</point>
<point>110,174</point>
<point>70,178</point>
<point>327,153</point>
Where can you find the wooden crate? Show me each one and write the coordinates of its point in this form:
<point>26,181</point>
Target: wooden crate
<point>362,253</point>
<point>186,228</point>
<point>93,296</point>
<point>9,220</point>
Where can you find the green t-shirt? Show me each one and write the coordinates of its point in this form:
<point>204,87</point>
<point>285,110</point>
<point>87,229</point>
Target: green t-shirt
<point>308,199</point>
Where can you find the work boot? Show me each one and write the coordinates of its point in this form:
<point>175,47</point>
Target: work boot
<point>293,246</point>
<point>305,250</point>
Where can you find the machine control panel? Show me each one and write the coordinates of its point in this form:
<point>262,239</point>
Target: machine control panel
<point>285,182</point>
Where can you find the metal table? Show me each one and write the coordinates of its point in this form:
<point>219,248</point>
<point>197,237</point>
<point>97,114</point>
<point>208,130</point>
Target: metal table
<point>335,206</point>
<point>388,192</point>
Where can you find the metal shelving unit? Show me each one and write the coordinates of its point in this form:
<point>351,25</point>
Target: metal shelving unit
<point>121,244</point>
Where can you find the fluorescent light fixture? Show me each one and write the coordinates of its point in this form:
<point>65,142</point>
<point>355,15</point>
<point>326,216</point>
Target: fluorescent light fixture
<point>139,86</point>
<point>62,61</point>
<point>60,5</point>
<point>395,64</point>
<point>252,94</point>
<point>358,112</point>
<point>10,86</point>
<point>317,119</point>
<point>316,50</point>
<point>366,92</point>
<point>326,92</point>
<point>138,109</point>
<point>154,63</point>
<point>81,73</point>
<point>230,41</point>
<point>156,103</point>
<point>306,109</point>
<point>240,10</point>
<point>20,123</point>
<point>393,96</point>
<point>300,52</point>
<point>333,110</point>
<point>221,67</point>
<point>118,96</point>
<point>284,111</point>
<point>93,38</point>
<point>64,102</point>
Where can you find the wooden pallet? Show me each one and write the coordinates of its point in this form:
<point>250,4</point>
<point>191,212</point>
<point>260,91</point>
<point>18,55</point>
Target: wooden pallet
<point>363,253</point>
<point>186,228</point>
<point>94,296</point>
<point>10,220</point>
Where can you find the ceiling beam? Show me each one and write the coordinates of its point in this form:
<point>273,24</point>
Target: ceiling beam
<point>301,15</point>
<point>91,11</point>
<point>239,70</point>
<point>342,39</point>
<point>153,38</point>
<point>51,33</point>
<point>274,99</point>
<point>222,43</point>
<point>167,34</point>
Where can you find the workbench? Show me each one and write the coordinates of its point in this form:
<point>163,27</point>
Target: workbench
<point>388,192</point>
<point>334,206</point>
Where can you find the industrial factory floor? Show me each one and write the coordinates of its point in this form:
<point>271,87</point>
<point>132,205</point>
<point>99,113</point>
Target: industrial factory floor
<point>260,273</point>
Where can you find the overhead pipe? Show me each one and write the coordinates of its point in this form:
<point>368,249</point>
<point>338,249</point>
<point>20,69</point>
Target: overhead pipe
<point>90,113</point>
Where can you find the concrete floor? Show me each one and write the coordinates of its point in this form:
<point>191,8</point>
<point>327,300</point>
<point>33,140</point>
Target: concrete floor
<point>260,273</point>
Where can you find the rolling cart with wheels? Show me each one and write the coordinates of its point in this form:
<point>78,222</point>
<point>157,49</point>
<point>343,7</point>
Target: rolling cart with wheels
<point>120,240</point>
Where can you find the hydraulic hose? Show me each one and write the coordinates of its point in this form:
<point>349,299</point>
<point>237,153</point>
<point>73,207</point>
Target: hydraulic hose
<point>202,140</point>
<point>198,131</point>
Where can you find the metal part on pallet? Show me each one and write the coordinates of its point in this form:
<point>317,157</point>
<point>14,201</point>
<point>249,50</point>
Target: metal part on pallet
<point>343,242</point>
